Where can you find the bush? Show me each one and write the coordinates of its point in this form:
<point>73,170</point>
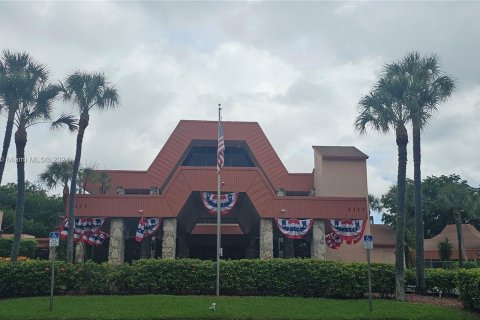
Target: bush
<point>469,283</point>
<point>275,277</point>
<point>28,248</point>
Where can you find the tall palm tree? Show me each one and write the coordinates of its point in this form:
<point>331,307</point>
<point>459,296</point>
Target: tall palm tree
<point>426,87</point>
<point>35,106</point>
<point>12,79</point>
<point>58,173</point>
<point>456,197</point>
<point>383,111</point>
<point>87,91</point>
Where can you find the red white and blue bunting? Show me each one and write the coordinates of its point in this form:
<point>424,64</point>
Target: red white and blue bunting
<point>333,241</point>
<point>147,228</point>
<point>349,231</point>
<point>82,226</point>
<point>86,230</point>
<point>294,228</point>
<point>95,239</point>
<point>227,202</point>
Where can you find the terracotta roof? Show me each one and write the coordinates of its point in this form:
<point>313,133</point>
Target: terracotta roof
<point>340,152</point>
<point>249,180</point>
<point>177,183</point>
<point>471,237</point>
<point>170,155</point>
<point>383,235</point>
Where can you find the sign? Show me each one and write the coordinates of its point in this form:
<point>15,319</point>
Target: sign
<point>54,238</point>
<point>368,241</point>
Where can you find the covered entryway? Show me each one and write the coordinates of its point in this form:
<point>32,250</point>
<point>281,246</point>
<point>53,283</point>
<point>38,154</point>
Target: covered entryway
<point>196,230</point>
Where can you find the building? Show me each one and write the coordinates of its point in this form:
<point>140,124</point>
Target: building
<point>326,209</point>
<point>470,240</point>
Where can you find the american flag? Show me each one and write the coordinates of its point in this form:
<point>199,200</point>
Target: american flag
<point>221,148</point>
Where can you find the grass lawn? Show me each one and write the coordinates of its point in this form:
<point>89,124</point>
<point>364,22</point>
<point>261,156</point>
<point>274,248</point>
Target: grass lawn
<point>196,307</point>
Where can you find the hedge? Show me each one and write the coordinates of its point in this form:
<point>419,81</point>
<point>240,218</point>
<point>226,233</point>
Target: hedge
<point>469,283</point>
<point>276,277</point>
<point>27,247</point>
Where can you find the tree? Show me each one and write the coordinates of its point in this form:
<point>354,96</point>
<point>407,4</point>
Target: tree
<point>456,198</point>
<point>426,87</point>
<point>381,111</point>
<point>87,91</point>
<point>58,172</point>
<point>12,79</point>
<point>445,250</point>
<point>41,210</point>
<point>35,106</point>
<point>104,180</point>
<point>85,175</point>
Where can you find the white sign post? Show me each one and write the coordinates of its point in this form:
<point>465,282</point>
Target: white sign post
<point>368,244</point>
<point>54,242</point>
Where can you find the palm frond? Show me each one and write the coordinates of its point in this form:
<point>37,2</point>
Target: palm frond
<point>65,120</point>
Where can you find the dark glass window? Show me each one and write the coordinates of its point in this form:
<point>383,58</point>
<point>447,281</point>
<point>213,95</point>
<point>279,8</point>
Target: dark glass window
<point>206,156</point>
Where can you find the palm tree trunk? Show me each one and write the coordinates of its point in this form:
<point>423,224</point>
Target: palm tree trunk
<point>458,223</point>
<point>20,142</point>
<point>402,141</point>
<point>419,228</point>
<point>6,142</point>
<point>84,118</point>
<point>65,197</point>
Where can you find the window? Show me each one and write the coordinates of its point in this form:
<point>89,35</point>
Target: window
<point>206,156</point>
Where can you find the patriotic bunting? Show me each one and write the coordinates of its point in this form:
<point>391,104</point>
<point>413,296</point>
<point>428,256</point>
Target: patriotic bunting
<point>347,230</point>
<point>86,230</point>
<point>95,239</point>
<point>227,202</point>
<point>294,228</point>
<point>351,231</point>
<point>146,228</point>
<point>332,240</point>
<point>82,225</point>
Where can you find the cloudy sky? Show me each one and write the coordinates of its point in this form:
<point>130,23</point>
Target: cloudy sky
<point>299,69</point>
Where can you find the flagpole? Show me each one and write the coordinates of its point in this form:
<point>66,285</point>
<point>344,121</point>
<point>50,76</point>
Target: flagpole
<point>219,221</point>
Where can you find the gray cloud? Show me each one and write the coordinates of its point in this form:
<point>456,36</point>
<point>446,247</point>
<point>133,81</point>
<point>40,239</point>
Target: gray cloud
<point>298,69</point>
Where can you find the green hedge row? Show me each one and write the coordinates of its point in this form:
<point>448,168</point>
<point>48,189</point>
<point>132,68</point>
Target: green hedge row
<point>285,277</point>
<point>469,284</point>
<point>27,247</point>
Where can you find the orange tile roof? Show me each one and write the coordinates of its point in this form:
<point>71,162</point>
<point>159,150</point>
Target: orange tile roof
<point>177,182</point>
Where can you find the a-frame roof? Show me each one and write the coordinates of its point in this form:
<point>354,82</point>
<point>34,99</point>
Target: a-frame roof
<point>177,182</point>
<point>169,157</point>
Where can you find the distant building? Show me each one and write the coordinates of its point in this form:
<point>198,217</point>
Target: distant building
<point>470,237</point>
<point>329,204</point>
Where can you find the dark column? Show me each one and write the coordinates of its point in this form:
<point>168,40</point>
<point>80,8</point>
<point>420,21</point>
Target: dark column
<point>288,248</point>
<point>145,248</point>
<point>183,250</point>
<point>252,248</point>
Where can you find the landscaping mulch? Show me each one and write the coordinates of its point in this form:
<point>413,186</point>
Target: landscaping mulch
<point>435,300</point>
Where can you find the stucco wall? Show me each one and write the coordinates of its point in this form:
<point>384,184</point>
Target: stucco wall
<point>340,178</point>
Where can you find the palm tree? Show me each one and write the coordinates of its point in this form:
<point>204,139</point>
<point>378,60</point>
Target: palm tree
<point>383,111</point>
<point>456,197</point>
<point>58,172</point>
<point>12,78</point>
<point>87,91</point>
<point>105,182</point>
<point>426,87</point>
<point>85,175</point>
<point>35,106</point>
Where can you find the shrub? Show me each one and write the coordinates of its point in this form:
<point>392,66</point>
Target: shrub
<point>275,277</point>
<point>28,248</point>
<point>469,283</point>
